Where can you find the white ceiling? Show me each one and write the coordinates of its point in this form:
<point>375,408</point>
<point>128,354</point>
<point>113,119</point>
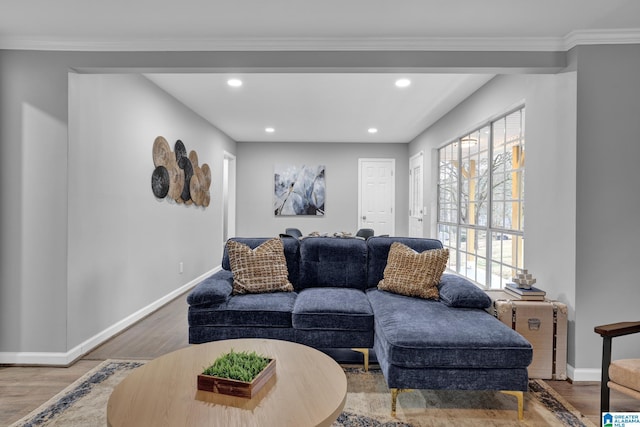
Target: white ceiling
<point>317,107</point>
<point>320,107</point>
<point>196,24</point>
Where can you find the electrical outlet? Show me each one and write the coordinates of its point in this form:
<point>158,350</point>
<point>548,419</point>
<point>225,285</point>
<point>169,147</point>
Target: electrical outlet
<point>181,267</point>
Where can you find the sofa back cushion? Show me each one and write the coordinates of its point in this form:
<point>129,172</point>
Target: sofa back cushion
<point>378,249</point>
<point>333,262</point>
<point>291,247</point>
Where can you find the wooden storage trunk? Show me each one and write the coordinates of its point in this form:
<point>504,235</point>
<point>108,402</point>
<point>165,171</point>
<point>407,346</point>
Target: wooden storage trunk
<point>543,324</point>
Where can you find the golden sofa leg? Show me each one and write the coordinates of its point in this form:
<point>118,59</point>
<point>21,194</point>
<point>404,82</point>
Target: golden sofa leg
<point>365,353</point>
<point>520,396</point>
<point>394,398</point>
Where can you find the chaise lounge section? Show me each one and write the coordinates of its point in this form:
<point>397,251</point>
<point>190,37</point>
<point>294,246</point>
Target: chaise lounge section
<point>448,343</point>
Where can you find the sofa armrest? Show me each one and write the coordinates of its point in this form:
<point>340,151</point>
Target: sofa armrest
<point>213,290</point>
<point>456,291</point>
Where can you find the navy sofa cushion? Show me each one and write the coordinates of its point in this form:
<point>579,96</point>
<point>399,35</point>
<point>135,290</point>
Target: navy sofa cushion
<point>333,262</point>
<point>291,253</point>
<point>378,252</point>
<point>419,333</point>
<point>258,310</point>
<point>213,290</point>
<point>333,309</point>
<point>456,291</point>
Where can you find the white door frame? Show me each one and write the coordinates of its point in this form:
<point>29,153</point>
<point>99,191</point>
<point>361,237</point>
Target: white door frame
<point>228,196</point>
<point>416,210</point>
<point>393,190</point>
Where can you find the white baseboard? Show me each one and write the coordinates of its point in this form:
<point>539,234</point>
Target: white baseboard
<point>583,374</point>
<point>65,359</point>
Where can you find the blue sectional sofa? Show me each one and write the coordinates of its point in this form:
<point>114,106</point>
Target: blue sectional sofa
<point>450,343</point>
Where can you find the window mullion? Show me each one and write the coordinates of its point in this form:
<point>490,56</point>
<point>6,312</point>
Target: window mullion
<point>489,248</point>
<point>459,207</point>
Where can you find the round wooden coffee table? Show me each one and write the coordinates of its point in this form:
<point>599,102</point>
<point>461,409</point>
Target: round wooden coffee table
<point>308,389</point>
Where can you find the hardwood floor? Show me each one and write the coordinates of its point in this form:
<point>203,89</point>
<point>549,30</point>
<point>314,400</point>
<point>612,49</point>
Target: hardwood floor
<point>585,397</point>
<point>23,389</point>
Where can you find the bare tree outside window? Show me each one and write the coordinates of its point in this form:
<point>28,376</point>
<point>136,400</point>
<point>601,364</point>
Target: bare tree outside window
<point>481,201</point>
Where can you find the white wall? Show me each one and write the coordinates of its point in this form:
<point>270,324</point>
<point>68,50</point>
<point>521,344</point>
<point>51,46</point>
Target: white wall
<point>255,168</point>
<point>550,170</point>
<point>125,245</point>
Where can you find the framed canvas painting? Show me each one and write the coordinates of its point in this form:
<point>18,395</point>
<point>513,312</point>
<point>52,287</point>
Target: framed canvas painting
<point>299,190</point>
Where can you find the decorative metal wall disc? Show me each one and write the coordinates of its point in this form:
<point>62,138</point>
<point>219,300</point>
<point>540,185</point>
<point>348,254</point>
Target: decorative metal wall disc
<point>185,164</point>
<point>160,182</point>
<point>180,150</point>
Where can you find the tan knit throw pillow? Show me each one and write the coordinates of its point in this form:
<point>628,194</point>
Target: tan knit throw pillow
<point>263,269</point>
<point>414,274</point>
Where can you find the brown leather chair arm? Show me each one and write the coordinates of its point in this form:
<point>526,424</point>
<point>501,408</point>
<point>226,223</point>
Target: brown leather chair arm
<point>617,329</point>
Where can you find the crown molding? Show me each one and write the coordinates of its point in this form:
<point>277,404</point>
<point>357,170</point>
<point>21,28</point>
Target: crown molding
<point>288,44</point>
<point>526,44</point>
<point>592,37</point>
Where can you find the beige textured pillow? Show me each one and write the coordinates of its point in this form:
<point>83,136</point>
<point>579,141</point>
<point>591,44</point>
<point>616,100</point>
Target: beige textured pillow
<point>414,274</point>
<point>259,270</point>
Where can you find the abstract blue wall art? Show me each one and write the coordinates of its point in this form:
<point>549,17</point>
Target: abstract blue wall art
<point>299,190</point>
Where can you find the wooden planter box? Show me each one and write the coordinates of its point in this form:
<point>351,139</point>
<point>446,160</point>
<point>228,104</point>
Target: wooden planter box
<point>235,387</point>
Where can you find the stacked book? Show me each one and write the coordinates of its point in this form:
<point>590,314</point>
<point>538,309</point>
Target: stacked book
<point>531,294</point>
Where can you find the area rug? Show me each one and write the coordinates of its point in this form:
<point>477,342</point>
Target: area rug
<point>84,402</point>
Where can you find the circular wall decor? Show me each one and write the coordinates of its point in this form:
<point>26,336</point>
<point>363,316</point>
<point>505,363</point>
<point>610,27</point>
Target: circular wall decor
<point>193,156</point>
<point>178,175</point>
<point>180,150</point>
<point>185,164</point>
<point>160,182</point>
<point>195,190</point>
<point>161,151</point>
<point>206,171</point>
<point>176,180</point>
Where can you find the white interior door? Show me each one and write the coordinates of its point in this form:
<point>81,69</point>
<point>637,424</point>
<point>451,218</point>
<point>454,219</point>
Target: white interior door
<point>416,206</point>
<point>376,198</point>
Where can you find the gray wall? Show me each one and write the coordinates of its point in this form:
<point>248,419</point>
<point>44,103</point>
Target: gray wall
<point>46,280</point>
<point>550,102</point>
<point>125,245</point>
<point>608,199</point>
<point>255,168</point>
<point>34,189</point>
<point>33,194</point>
<point>582,149</point>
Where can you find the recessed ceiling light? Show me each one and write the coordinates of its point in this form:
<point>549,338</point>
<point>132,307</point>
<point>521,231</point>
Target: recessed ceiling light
<point>269,130</point>
<point>372,130</point>
<point>403,82</point>
<point>234,82</point>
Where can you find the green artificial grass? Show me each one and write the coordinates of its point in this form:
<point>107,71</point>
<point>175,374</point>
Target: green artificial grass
<point>242,366</point>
